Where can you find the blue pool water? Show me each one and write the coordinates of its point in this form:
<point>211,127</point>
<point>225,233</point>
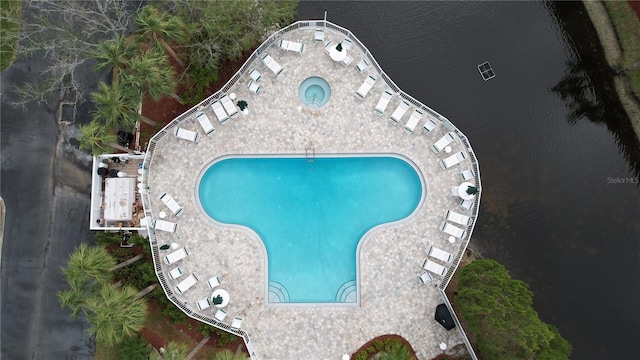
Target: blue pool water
<point>310,215</point>
<point>314,91</point>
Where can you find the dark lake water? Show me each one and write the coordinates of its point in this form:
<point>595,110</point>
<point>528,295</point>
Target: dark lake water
<point>559,161</point>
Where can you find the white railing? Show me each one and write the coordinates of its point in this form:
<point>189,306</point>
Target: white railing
<point>255,56</point>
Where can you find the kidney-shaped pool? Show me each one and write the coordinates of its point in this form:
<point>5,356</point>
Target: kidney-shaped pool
<point>310,214</point>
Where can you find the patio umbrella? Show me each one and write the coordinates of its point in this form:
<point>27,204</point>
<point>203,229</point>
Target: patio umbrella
<point>443,316</point>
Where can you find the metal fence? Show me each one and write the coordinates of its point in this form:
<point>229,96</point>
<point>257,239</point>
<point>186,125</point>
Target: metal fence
<point>256,56</point>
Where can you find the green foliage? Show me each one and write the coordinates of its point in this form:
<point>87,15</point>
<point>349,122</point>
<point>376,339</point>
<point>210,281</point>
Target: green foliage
<point>10,25</point>
<point>499,312</point>
<point>362,356</point>
<point>96,137</point>
<point>173,351</point>
<point>167,308</point>
<point>115,313</point>
<point>115,105</point>
<point>224,337</point>
<point>132,348</point>
<point>394,350</point>
<point>228,355</point>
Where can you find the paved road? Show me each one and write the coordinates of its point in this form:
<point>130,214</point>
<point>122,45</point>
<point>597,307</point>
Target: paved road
<point>47,214</point>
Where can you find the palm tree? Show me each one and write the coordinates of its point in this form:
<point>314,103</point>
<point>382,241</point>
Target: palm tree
<point>89,264</point>
<point>115,313</point>
<point>98,138</point>
<point>115,105</point>
<point>228,355</point>
<point>151,73</point>
<point>160,27</point>
<point>114,52</point>
<point>173,351</point>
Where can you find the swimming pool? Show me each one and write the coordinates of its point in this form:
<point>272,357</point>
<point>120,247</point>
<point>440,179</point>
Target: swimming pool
<point>310,215</point>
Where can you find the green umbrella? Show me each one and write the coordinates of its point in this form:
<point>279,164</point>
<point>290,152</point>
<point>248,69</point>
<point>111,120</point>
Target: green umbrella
<point>217,300</point>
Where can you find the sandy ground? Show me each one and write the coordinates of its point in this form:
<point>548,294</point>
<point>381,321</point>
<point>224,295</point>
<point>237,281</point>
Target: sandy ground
<point>607,35</point>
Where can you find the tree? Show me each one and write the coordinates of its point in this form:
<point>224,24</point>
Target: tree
<point>64,34</point>
<point>98,138</point>
<point>115,313</point>
<point>115,105</point>
<point>173,351</point>
<point>150,73</point>
<point>160,27</point>
<point>116,52</point>
<point>499,312</point>
<point>89,264</point>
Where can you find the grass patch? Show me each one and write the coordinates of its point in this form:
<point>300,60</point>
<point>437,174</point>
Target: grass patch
<point>8,40</point>
<point>628,30</point>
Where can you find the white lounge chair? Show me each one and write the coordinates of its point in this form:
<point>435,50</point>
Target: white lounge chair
<point>365,87</point>
<point>176,256</point>
<point>255,75</point>
<point>236,323</point>
<point>434,267</point>
<point>205,123</point>
<point>164,225</point>
<point>272,64</point>
<point>253,87</point>
<point>291,46</point>
<point>466,204</point>
<point>204,304</point>
<point>440,254</point>
<point>186,134</point>
<point>327,47</point>
<point>429,125</point>
<point>415,117</point>
<point>458,218</point>
<point>362,65</point>
<point>213,282</point>
<point>452,230</point>
<point>175,273</point>
<point>425,277</point>
<point>346,44</point>
<point>228,105</point>
<point>442,142</point>
<point>467,175</point>
<point>318,35</point>
<point>220,314</point>
<point>398,113</point>
<point>386,96</point>
<point>217,108</point>
<point>347,60</point>
<point>171,204</point>
<point>187,283</point>
<point>452,160</point>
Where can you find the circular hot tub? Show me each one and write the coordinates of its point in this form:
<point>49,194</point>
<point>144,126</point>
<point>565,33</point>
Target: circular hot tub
<point>314,92</point>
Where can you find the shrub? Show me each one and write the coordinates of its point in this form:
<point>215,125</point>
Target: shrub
<point>132,348</point>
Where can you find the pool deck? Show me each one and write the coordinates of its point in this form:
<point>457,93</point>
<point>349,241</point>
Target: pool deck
<point>393,301</point>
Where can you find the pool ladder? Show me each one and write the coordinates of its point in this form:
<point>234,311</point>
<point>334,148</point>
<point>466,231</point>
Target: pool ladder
<point>310,154</point>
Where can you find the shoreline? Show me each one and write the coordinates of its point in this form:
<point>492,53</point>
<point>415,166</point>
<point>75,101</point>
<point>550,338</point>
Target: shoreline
<point>613,54</point>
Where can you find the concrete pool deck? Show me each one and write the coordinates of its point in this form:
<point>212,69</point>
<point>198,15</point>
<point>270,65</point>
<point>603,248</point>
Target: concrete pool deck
<point>392,300</point>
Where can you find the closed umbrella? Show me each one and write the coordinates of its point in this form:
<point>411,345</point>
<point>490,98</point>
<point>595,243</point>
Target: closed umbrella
<point>444,318</point>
